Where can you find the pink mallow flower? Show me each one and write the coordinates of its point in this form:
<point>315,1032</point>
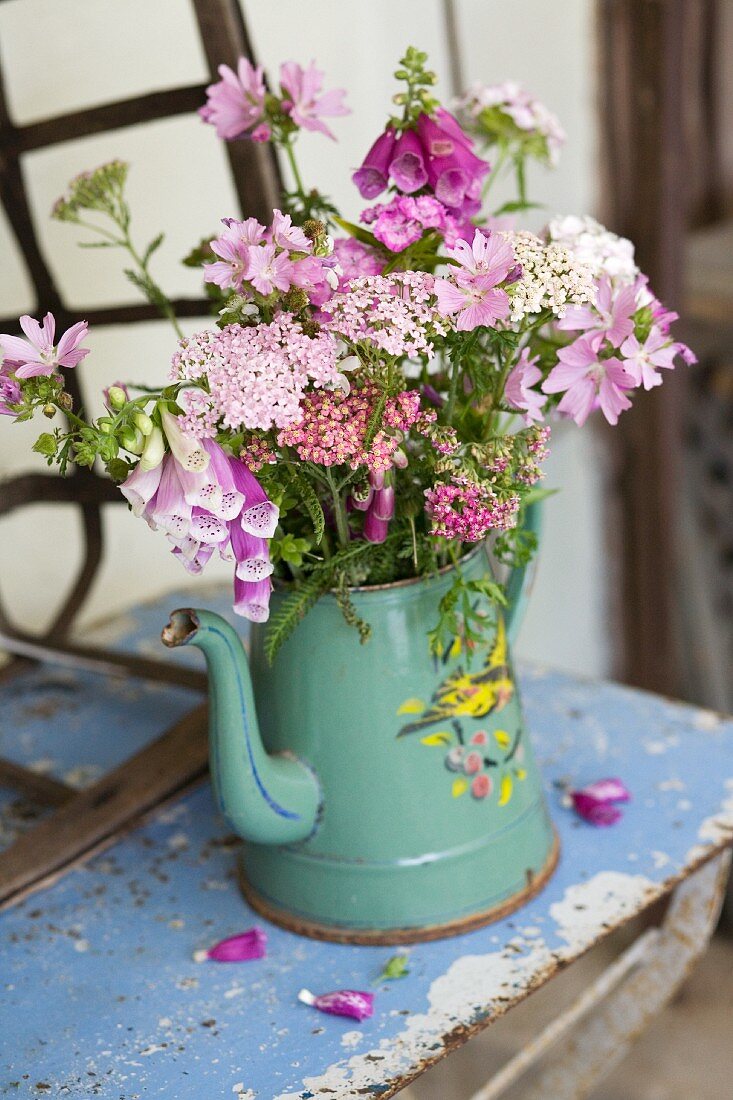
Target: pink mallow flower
<point>518,389</point>
<point>10,392</point>
<point>595,803</point>
<point>218,505</point>
<point>302,101</point>
<point>236,103</point>
<point>38,354</point>
<point>611,314</point>
<point>641,360</point>
<point>472,292</point>
<point>588,382</point>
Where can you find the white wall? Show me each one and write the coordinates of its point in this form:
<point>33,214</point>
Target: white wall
<point>96,50</point>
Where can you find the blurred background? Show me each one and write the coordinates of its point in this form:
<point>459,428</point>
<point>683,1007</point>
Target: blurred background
<point>635,577</point>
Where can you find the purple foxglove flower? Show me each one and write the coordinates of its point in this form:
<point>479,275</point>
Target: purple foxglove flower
<point>38,354</point>
<point>252,599</point>
<point>189,452</point>
<point>407,168</point>
<point>383,503</point>
<point>243,947</point>
<point>595,803</point>
<point>344,1002</point>
<point>251,555</point>
<point>451,165</point>
<point>371,179</point>
<point>433,396</point>
<point>361,498</point>
<point>375,529</point>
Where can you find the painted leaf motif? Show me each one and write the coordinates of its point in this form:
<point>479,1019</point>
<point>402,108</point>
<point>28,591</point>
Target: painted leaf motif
<point>444,737</point>
<point>502,738</point>
<point>460,786</point>
<point>505,792</point>
<point>412,706</point>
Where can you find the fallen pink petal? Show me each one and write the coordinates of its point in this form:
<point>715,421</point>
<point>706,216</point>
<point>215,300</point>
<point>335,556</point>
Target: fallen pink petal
<point>343,1002</point>
<point>243,947</point>
<point>595,802</point>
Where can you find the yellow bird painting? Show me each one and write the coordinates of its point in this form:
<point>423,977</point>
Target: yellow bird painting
<point>467,694</point>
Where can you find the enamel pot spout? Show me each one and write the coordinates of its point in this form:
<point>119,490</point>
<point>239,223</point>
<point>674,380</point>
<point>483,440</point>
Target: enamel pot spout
<point>267,799</point>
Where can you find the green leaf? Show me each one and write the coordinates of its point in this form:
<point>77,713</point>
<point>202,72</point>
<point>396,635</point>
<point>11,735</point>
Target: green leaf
<point>516,207</point>
<point>395,968</point>
<point>45,445</point>
<point>153,247</point>
<point>310,500</point>
<point>358,232</point>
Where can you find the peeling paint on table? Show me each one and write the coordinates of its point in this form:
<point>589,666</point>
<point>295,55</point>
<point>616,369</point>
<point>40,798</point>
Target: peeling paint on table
<point>100,992</point>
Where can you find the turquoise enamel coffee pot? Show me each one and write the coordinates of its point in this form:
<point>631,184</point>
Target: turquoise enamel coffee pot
<point>384,795</point>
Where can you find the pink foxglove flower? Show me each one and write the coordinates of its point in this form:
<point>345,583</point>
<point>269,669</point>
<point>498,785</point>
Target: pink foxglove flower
<point>612,314</point>
<point>373,176</point>
<point>344,1002</point>
<point>641,360</point>
<point>518,389</point>
<point>306,107</point>
<point>595,803</point>
<point>407,168</point>
<point>243,947</point>
<point>454,171</point>
<point>38,354</point>
<point>588,382</point>
<point>202,508</point>
<point>236,103</point>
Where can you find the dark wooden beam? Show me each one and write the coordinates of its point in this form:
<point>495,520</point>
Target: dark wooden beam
<point>641,103</point>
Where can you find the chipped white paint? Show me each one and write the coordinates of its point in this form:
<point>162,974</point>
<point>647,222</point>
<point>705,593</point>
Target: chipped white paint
<point>715,829</point>
<point>351,1039</point>
<point>242,1092</point>
<point>154,1048</point>
<point>593,1048</point>
<point>495,980</point>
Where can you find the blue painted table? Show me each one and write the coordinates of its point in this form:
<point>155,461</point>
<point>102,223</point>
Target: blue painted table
<point>100,993</point>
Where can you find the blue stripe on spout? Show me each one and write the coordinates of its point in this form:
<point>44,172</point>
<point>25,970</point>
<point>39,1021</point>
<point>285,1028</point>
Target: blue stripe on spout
<point>280,810</point>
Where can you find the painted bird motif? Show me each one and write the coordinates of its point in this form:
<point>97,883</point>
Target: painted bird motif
<point>470,695</point>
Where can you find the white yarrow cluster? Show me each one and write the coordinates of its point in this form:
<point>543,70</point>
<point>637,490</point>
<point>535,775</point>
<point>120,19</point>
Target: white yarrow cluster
<point>593,244</point>
<point>552,278</point>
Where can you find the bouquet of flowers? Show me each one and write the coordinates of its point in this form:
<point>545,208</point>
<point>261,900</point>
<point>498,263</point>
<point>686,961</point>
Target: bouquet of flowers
<point>370,399</point>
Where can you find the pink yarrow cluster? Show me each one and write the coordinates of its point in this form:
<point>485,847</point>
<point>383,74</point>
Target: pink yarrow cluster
<point>467,510</point>
<point>333,427</point>
<point>395,313</point>
<point>236,104</point>
<point>220,507</point>
<point>255,376</point>
<point>252,258</point>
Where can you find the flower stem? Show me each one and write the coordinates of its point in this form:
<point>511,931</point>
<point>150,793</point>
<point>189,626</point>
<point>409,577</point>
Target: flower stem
<point>290,154</point>
<point>339,512</point>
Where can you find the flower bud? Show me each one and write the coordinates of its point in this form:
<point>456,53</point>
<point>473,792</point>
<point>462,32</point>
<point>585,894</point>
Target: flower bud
<point>49,411</point>
<point>143,422</point>
<point>117,397</point>
<point>153,451</point>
